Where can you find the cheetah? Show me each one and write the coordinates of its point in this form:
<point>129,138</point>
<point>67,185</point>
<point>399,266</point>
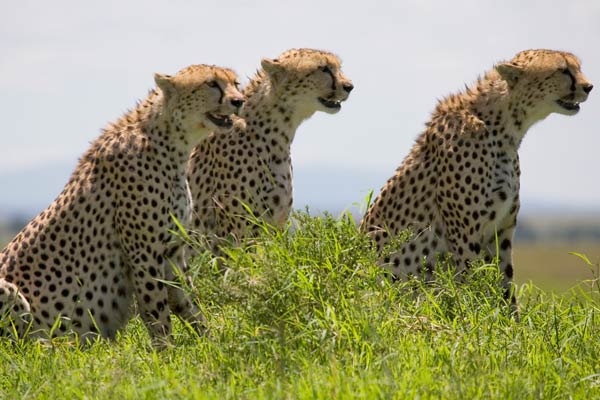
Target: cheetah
<point>77,267</point>
<point>251,165</point>
<point>459,186</point>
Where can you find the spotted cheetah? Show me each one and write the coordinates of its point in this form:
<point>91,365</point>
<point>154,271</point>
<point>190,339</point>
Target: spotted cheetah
<point>459,186</point>
<point>251,165</point>
<point>105,240</point>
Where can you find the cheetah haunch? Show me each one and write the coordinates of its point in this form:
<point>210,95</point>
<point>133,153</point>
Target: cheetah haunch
<point>77,266</point>
<point>251,164</point>
<point>459,186</point>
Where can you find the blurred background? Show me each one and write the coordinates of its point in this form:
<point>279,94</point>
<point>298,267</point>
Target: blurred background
<point>67,68</point>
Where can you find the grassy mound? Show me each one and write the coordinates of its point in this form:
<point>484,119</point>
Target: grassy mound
<point>306,313</point>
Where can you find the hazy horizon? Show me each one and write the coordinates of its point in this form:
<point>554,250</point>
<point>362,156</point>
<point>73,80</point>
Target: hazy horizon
<point>30,200</point>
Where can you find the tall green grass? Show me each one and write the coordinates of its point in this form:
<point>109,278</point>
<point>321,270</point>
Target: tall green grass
<point>306,313</point>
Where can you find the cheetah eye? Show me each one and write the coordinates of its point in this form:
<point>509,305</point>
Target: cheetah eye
<point>326,69</point>
<point>212,84</point>
<point>567,72</point>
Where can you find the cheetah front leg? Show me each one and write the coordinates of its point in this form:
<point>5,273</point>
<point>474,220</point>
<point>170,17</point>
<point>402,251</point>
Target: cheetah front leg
<point>179,301</point>
<point>15,312</point>
<point>503,248</point>
<point>463,253</point>
<point>151,293</point>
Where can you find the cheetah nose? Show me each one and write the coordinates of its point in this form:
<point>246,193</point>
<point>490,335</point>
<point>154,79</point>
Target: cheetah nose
<point>237,102</point>
<point>348,87</point>
<point>588,88</point>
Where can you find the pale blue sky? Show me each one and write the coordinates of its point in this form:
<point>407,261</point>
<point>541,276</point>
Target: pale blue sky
<point>67,68</point>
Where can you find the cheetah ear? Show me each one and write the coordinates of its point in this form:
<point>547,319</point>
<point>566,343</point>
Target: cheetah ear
<point>273,68</point>
<point>511,73</point>
<point>165,83</point>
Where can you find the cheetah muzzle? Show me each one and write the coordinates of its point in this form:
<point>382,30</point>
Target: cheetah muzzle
<point>568,104</point>
<point>223,121</point>
<point>333,104</point>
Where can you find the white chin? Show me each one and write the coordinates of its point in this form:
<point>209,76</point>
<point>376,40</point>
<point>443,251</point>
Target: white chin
<point>564,111</point>
<point>330,107</point>
<point>211,126</point>
<point>330,110</point>
<point>216,128</point>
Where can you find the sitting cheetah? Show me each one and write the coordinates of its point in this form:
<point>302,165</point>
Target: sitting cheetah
<point>77,265</point>
<point>251,164</point>
<point>459,185</point>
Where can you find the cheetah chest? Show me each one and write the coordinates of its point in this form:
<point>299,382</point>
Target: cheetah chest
<point>504,193</point>
<point>182,201</point>
<point>278,191</point>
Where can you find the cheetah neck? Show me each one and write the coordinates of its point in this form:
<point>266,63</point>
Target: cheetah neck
<point>492,102</point>
<point>165,131</point>
<point>271,116</point>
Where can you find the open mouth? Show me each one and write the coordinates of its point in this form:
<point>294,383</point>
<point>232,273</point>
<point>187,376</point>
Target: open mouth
<point>334,104</point>
<point>223,121</point>
<point>568,105</point>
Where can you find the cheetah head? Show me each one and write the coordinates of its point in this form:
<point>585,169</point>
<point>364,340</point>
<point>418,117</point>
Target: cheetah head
<point>200,99</point>
<point>546,81</point>
<point>311,79</point>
